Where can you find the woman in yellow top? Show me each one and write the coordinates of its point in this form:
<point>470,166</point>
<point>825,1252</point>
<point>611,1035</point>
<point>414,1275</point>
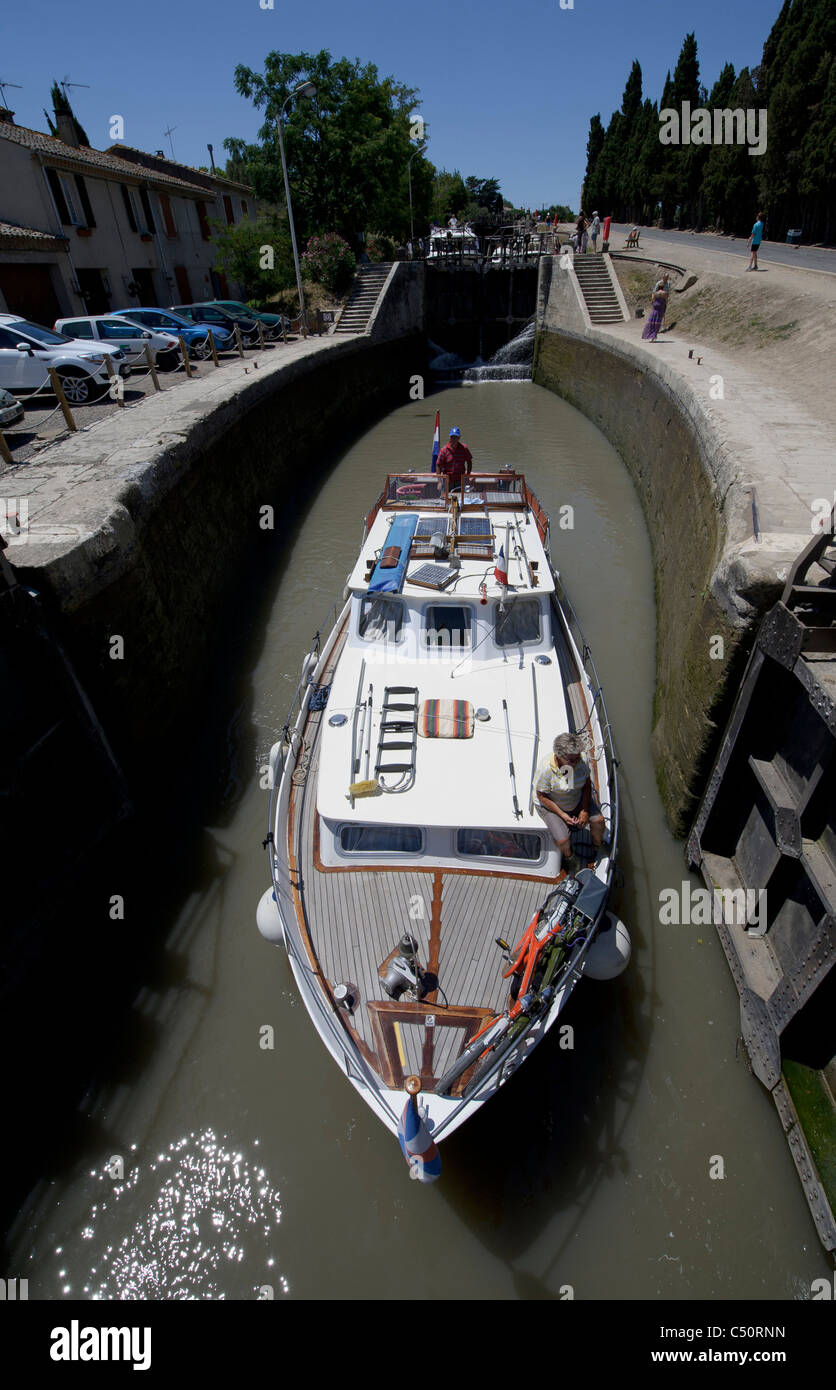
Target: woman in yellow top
<point>565,799</point>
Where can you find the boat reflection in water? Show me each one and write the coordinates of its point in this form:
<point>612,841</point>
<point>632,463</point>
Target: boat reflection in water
<point>406,850</point>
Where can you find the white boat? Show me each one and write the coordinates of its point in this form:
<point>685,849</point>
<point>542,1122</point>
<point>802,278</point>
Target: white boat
<point>456,244</point>
<point>399,855</point>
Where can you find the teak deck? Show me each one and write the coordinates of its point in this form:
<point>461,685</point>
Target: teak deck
<point>352,920</point>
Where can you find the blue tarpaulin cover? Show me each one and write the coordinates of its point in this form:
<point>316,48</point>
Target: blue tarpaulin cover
<point>390,581</point>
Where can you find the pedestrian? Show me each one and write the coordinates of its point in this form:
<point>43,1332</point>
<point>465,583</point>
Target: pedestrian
<point>594,231</point>
<point>657,312</point>
<point>755,239</point>
<point>580,229</point>
<point>455,459</point>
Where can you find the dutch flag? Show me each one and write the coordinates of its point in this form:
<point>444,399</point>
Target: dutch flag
<point>435,442</point>
<point>500,570</point>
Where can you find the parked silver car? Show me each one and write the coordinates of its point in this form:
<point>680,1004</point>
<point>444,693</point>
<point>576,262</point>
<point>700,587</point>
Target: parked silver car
<point>28,349</point>
<point>11,410</point>
<point>113,331</point>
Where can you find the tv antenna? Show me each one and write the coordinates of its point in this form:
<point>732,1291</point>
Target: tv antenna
<point>4,85</point>
<point>67,84</point>
<point>168,132</point>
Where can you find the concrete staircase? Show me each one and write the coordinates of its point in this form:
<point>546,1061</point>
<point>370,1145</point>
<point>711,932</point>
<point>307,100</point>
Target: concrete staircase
<point>597,289</point>
<point>365,292</point>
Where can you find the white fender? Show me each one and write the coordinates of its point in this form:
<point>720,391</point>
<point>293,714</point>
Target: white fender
<point>274,762</point>
<point>268,917</point>
<point>610,952</point>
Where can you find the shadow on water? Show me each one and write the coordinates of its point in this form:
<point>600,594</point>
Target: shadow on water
<point>543,1147</point>
<point>82,1024</point>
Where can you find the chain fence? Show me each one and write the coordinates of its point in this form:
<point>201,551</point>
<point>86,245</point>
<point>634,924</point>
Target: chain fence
<point>57,382</point>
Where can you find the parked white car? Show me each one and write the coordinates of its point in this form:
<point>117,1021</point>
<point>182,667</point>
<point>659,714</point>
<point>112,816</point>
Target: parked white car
<point>10,410</point>
<point>111,330</point>
<point>28,349</point>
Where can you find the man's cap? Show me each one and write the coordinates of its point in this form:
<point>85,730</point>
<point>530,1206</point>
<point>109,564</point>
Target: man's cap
<point>455,431</point>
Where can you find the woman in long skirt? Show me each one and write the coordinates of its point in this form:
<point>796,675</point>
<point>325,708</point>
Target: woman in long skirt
<point>657,313</point>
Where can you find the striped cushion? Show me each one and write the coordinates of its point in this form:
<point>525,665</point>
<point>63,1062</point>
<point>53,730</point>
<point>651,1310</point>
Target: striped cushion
<point>446,719</point>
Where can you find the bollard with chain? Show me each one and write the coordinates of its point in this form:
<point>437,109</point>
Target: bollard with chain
<point>260,334</point>
<point>5,451</point>
<point>210,335</point>
<point>185,354</point>
<point>116,384</point>
<point>62,399</point>
<point>238,340</point>
<point>153,370</point>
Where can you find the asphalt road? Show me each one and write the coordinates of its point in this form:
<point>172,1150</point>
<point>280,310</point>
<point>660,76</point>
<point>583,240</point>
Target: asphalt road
<point>800,257</point>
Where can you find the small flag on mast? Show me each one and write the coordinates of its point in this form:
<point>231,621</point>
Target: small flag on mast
<point>436,441</point>
<point>501,568</point>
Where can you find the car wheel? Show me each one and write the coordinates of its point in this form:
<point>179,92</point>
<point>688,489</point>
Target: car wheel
<point>79,388</point>
<point>200,351</point>
<point>168,360</point>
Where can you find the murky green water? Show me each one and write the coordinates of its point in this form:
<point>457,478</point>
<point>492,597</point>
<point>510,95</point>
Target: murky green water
<point>243,1167</point>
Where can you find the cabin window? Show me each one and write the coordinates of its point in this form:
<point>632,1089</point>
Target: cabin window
<point>447,625</point>
<point>381,619</point>
<point>519,623</point>
<point>380,839</point>
<point>499,844</point>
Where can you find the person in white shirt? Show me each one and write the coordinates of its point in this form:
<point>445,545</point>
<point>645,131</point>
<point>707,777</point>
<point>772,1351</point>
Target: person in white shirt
<point>565,799</point>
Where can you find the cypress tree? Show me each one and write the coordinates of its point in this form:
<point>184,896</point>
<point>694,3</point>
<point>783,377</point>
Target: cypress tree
<point>729,184</point>
<point>593,150</point>
<point>796,177</point>
<point>61,103</point>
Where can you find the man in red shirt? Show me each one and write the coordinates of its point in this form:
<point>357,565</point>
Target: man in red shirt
<point>455,459</point>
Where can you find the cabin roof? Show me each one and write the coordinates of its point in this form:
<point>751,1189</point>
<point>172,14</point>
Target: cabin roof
<point>458,782</point>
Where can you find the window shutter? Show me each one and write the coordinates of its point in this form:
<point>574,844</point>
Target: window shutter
<point>128,209</point>
<point>203,220</point>
<point>150,225</point>
<point>85,200</point>
<point>230,216</point>
<point>58,195</point>
<point>170,225</point>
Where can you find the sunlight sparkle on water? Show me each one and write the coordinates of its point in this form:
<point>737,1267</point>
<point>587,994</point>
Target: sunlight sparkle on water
<point>208,1212</point>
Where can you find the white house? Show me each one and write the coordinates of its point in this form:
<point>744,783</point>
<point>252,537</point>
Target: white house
<point>85,231</point>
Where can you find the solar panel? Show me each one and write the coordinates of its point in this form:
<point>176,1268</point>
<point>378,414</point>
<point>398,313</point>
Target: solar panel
<point>474,526</point>
<point>428,526</point>
<point>431,576</point>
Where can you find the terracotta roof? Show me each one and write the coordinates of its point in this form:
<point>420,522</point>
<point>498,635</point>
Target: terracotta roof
<point>15,238</point>
<point>206,179</point>
<point>87,159</point>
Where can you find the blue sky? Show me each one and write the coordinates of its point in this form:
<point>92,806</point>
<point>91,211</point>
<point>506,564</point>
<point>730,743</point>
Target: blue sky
<point>507,86</point>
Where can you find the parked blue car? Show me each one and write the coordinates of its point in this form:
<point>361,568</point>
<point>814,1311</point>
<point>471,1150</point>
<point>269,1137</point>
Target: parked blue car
<point>194,337</point>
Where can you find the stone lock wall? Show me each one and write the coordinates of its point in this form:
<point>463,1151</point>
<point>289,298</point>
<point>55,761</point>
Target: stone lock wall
<point>670,462</point>
<point>170,537</point>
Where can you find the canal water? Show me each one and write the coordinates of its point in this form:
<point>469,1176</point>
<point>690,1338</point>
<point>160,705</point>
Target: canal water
<point>643,1163</point>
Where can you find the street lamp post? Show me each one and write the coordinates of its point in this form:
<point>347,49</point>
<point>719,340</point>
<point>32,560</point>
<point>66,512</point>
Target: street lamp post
<point>306,89</point>
<point>409,174</point>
